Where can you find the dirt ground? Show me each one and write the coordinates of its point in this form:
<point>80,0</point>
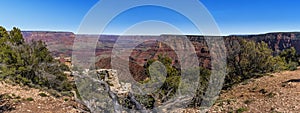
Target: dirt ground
<point>19,99</point>
<point>277,93</point>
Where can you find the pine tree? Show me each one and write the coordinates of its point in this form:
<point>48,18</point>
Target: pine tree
<point>16,36</point>
<point>29,63</point>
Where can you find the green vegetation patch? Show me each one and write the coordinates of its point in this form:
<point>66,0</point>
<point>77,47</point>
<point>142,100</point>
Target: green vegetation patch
<point>43,94</point>
<point>30,64</point>
<point>30,99</point>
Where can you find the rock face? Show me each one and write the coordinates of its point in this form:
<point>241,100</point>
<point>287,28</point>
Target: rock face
<point>120,88</point>
<point>277,41</point>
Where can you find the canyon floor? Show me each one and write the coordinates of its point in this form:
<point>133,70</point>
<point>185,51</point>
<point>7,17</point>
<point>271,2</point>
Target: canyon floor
<point>275,93</point>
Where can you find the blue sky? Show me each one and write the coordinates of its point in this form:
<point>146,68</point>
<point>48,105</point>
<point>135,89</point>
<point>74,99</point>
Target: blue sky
<point>232,16</point>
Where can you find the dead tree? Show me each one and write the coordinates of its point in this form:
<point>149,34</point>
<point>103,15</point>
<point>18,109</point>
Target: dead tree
<point>101,77</point>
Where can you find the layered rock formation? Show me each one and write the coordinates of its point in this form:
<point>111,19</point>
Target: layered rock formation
<point>135,56</point>
<point>120,88</point>
<point>277,41</point>
<point>57,42</point>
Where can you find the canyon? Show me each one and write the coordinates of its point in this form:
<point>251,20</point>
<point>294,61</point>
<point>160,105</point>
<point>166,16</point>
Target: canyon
<point>135,51</point>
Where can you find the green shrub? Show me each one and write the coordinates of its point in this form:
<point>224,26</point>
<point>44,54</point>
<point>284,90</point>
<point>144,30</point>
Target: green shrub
<point>241,110</point>
<point>292,66</point>
<point>43,94</point>
<point>5,96</point>
<point>18,97</point>
<point>67,93</point>
<point>271,95</point>
<point>248,59</point>
<point>30,63</point>
<point>146,100</point>
<point>172,77</point>
<point>30,99</point>
<point>66,99</point>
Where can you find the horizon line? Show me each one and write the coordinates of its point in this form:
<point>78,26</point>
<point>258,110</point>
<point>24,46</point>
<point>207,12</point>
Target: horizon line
<point>187,34</point>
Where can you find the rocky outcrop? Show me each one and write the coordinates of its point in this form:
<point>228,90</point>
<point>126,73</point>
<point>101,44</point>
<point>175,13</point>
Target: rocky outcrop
<point>120,88</point>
